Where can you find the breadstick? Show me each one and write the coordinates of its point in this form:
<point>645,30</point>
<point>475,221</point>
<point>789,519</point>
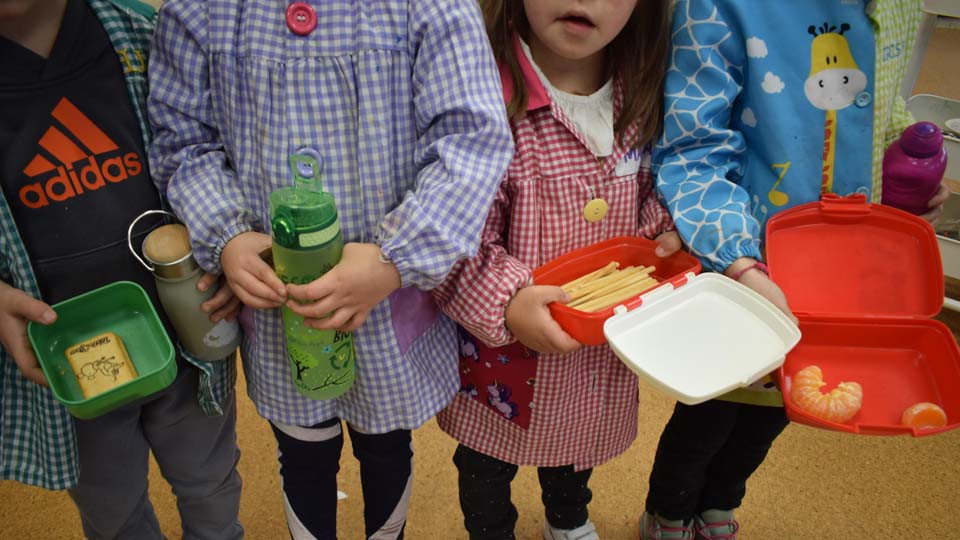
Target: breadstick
<point>570,285</point>
<point>620,283</point>
<point>633,290</point>
<point>623,279</point>
<point>615,297</point>
<point>586,278</point>
<point>596,284</point>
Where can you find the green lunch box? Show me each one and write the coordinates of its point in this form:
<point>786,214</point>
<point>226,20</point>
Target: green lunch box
<point>123,308</point>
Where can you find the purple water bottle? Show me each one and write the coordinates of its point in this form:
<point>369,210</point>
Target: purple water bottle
<point>913,167</point>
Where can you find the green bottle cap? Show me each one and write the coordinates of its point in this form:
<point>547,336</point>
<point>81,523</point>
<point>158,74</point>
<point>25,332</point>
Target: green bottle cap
<point>301,218</point>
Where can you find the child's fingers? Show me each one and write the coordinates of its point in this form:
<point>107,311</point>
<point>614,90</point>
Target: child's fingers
<point>940,197</point>
<point>219,299</point>
<point>254,293</point>
<point>314,310</point>
<point>560,341</point>
<point>317,289</point>
<point>767,288</point>
<point>16,308</point>
<point>336,321</point>
<point>253,301</point>
<point>254,285</point>
<point>29,308</point>
<point>546,336</point>
<point>26,361</point>
<point>355,322</point>
<point>935,204</point>
<point>227,311</point>
<point>556,340</point>
<point>933,216</point>
<point>549,294</point>
<point>669,243</point>
<point>266,276</point>
<point>206,281</point>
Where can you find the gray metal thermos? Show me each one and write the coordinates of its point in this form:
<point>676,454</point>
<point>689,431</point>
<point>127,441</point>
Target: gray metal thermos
<point>170,258</point>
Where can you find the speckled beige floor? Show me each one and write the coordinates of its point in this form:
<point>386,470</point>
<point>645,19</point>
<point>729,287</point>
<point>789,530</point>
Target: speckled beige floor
<point>815,484</point>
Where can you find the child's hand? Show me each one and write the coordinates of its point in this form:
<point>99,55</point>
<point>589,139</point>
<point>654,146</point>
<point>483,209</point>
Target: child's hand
<point>251,279</point>
<point>348,292</point>
<point>936,204</point>
<point>761,283</point>
<point>528,319</point>
<point>16,308</point>
<point>669,243</point>
<point>224,304</point>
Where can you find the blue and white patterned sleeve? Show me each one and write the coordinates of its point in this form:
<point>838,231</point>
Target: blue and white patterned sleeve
<point>699,151</point>
<point>188,161</point>
<point>464,143</point>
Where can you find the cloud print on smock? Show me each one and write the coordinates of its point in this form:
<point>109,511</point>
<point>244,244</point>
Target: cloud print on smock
<point>756,48</point>
<point>772,84</point>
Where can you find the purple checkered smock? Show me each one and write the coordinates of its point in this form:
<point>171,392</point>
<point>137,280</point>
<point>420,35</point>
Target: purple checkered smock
<point>403,102</point>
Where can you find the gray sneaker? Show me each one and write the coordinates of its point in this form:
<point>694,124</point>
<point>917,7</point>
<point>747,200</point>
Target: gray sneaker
<point>584,532</point>
<point>652,528</point>
<point>716,525</point>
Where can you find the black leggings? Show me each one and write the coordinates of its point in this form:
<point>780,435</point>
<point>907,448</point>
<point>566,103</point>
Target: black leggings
<point>488,513</point>
<point>706,454</point>
<point>309,463</point>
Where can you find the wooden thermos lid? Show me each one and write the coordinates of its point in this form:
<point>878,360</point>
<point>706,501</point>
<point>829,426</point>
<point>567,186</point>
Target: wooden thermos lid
<point>167,244</point>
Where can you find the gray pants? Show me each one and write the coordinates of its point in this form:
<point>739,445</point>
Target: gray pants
<point>197,455</point>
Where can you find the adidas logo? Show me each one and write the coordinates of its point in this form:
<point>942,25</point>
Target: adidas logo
<point>88,166</point>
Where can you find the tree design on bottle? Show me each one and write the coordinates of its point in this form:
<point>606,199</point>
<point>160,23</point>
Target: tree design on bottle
<point>321,361</point>
<point>340,357</point>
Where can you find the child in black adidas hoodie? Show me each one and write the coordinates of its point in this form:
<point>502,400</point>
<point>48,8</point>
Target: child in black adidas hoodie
<point>73,176</point>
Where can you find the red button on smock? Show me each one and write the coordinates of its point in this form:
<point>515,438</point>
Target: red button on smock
<point>301,18</point>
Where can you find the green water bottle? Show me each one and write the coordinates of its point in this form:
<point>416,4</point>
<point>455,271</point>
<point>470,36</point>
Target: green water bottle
<point>306,244</point>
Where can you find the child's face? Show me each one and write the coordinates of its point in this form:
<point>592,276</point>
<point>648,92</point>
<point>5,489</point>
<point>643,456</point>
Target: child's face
<point>577,29</point>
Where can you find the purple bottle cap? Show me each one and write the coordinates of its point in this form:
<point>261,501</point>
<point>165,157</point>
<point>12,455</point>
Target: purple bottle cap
<point>922,140</point>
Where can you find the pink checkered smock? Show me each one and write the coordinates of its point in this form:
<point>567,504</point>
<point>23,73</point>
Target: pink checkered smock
<point>514,404</point>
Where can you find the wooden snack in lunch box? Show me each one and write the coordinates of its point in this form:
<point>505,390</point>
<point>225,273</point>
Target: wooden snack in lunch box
<point>580,281</point>
<point>605,287</point>
<point>615,297</point>
<point>589,281</point>
<point>100,364</point>
<point>616,282</point>
<point>615,279</point>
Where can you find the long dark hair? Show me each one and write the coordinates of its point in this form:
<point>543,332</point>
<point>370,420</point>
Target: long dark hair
<point>637,56</point>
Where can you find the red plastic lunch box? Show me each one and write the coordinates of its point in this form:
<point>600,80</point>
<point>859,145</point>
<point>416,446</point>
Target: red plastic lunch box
<point>587,328</point>
<point>693,337</point>
<point>864,281</point>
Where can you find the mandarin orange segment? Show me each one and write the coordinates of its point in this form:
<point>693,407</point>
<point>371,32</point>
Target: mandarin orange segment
<point>839,405</point>
<point>924,415</point>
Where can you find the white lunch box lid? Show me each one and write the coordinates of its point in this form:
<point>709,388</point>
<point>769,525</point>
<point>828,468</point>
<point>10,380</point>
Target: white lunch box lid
<point>702,339</point>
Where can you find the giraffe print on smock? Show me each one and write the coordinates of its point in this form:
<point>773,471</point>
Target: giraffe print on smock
<point>743,130</point>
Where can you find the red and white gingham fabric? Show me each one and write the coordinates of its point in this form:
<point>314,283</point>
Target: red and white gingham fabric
<point>584,408</point>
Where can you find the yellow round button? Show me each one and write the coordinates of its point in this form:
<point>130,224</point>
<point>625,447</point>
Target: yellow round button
<point>595,210</point>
